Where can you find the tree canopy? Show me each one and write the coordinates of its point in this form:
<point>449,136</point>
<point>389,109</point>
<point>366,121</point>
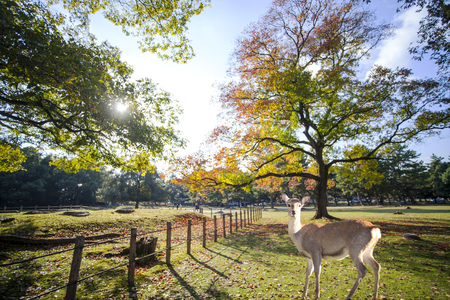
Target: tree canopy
<point>296,96</point>
<point>61,88</point>
<point>161,24</point>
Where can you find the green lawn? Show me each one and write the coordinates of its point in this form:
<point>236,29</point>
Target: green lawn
<point>258,262</point>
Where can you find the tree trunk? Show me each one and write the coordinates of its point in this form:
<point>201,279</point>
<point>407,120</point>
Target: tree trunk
<point>377,200</point>
<point>359,199</point>
<point>226,195</point>
<point>321,198</point>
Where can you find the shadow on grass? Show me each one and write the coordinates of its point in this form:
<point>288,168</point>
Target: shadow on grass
<point>184,284</point>
<point>265,238</point>
<point>26,228</point>
<point>205,263</point>
<point>9,287</point>
<point>418,226</point>
<point>414,209</point>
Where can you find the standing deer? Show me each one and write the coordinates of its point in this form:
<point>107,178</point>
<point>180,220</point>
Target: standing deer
<point>338,240</point>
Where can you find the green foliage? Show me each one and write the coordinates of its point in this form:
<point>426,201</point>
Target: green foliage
<point>122,187</point>
<point>61,89</point>
<point>11,159</point>
<point>405,176</point>
<point>359,175</point>
<point>177,193</point>
<point>42,184</point>
<point>396,174</point>
<point>161,25</point>
<point>446,176</point>
<point>438,171</point>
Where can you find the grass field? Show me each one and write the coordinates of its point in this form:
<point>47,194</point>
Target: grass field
<point>257,262</point>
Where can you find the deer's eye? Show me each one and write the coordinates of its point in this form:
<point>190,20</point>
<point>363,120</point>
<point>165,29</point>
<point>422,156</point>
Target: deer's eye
<point>289,205</point>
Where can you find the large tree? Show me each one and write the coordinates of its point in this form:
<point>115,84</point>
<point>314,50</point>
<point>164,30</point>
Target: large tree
<point>61,89</point>
<point>296,96</point>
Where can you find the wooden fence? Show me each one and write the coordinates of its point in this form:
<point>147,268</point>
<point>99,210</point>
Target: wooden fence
<point>244,218</point>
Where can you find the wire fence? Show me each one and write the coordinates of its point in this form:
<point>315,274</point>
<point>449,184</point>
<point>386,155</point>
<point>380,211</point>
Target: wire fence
<point>193,232</point>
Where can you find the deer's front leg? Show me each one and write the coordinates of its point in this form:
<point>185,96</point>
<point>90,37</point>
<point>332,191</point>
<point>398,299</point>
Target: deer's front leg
<point>309,270</point>
<point>317,260</point>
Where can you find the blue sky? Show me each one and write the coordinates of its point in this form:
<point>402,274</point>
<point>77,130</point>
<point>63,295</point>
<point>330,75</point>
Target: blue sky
<point>213,35</point>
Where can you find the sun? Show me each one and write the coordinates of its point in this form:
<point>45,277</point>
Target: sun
<point>120,107</point>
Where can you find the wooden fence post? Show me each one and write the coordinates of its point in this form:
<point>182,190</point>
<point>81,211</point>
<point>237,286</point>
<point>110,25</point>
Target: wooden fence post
<point>224,229</point>
<point>236,222</point>
<point>204,233</point>
<point>231,223</point>
<point>240,212</point>
<point>168,242</point>
<point>215,229</point>
<point>35,208</point>
<point>132,256</point>
<point>71,292</point>
<point>244,217</point>
<point>189,236</point>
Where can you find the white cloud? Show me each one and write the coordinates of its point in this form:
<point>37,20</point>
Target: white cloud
<point>394,51</point>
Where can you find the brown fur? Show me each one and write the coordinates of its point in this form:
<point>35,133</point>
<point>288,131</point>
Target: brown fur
<point>316,241</point>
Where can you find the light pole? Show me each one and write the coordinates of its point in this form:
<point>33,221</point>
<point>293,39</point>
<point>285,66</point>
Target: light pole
<point>78,191</point>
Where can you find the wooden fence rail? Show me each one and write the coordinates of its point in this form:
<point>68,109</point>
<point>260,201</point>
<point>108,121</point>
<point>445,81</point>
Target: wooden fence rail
<point>250,215</point>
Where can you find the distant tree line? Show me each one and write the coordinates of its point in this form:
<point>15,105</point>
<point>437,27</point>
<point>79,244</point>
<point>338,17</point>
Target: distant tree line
<point>400,176</point>
<point>43,184</point>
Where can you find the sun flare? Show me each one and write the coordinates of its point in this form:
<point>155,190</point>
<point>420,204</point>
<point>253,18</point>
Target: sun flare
<point>120,107</point>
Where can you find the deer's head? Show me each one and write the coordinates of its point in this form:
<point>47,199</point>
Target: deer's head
<point>294,204</point>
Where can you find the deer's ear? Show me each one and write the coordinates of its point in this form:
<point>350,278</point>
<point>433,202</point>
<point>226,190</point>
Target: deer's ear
<point>285,198</point>
<point>305,200</point>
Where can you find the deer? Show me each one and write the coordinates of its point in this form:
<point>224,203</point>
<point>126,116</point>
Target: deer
<point>316,241</point>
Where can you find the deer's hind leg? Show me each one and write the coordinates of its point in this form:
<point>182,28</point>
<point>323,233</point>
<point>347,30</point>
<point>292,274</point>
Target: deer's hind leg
<point>368,258</point>
<point>362,270</point>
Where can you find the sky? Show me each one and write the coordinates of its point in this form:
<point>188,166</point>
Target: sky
<point>213,34</point>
